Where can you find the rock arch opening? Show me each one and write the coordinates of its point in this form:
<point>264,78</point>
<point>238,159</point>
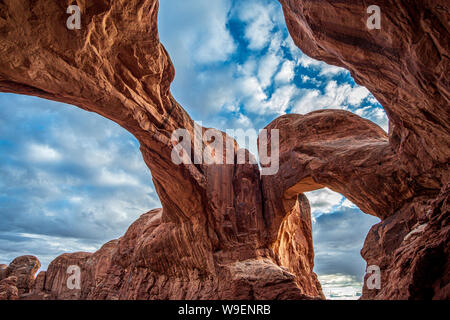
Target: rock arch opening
<point>339,230</point>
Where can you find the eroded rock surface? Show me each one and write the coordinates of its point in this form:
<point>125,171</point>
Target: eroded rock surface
<point>405,64</point>
<point>141,265</point>
<point>17,279</point>
<point>224,232</point>
<point>339,150</point>
<point>8,289</point>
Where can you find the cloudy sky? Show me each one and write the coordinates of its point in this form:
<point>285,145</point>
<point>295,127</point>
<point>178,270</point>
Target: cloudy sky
<point>71,180</point>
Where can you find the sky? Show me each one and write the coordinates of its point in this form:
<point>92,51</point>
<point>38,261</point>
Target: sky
<point>71,180</point>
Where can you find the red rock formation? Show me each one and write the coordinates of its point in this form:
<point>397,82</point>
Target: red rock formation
<point>405,64</point>
<point>338,150</point>
<point>223,232</point>
<point>137,266</point>
<point>3,270</point>
<point>22,269</point>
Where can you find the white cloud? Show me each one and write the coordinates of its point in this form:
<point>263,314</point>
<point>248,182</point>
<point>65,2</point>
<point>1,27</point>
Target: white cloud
<point>252,91</point>
<point>295,52</point>
<point>324,69</point>
<point>347,203</point>
<point>196,30</point>
<point>267,68</point>
<point>340,286</point>
<point>248,68</point>
<point>279,101</point>
<point>357,95</point>
<point>375,114</point>
<point>329,70</point>
<point>243,122</point>
<point>120,178</point>
<point>336,96</point>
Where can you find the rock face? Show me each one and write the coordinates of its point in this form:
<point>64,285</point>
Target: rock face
<point>136,266</point>
<point>210,237</point>
<point>8,289</point>
<point>338,150</point>
<point>412,250</point>
<point>225,232</point>
<point>404,64</point>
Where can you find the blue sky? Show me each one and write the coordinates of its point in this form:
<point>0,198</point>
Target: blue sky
<point>71,180</point>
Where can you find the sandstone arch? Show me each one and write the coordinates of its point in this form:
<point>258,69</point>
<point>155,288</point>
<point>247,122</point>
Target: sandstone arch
<point>338,150</point>
<point>209,240</point>
<point>233,242</point>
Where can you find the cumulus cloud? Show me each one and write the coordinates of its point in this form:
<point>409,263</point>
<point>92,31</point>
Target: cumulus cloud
<point>279,101</point>
<point>286,73</point>
<point>197,26</point>
<point>340,286</point>
<point>267,68</point>
<point>43,153</point>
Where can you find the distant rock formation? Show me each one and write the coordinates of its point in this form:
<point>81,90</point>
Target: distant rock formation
<point>224,231</point>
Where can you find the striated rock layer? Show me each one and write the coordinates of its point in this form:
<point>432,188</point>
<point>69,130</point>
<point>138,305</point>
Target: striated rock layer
<point>225,232</point>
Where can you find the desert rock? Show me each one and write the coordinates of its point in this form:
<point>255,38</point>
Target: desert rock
<point>224,232</point>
